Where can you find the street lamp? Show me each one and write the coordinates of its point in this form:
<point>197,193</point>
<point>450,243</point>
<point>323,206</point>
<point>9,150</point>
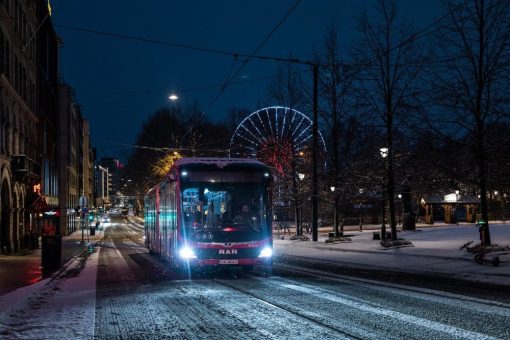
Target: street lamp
<point>457,206</point>
<point>173,97</point>
<point>300,227</point>
<point>384,154</point>
<point>104,170</point>
<point>360,207</point>
<point>335,217</point>
<point>400,210</point>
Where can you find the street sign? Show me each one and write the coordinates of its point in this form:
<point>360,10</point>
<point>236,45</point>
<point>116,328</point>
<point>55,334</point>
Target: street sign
<point>83,201</point>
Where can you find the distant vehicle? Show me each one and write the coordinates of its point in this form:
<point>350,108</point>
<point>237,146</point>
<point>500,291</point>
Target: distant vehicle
<point>211,212</point>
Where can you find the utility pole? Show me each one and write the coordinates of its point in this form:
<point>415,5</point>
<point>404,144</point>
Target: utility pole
<point>315,143</point>
<point>315,147</point>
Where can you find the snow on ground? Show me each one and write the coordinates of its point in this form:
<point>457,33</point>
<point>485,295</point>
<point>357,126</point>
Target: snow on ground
<point>435,250</point>
<point>62,307</point>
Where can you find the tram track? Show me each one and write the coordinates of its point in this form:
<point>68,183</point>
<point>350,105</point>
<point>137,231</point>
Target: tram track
<point>388,287</point>
<point>286,309</point>
<point>373,308</point>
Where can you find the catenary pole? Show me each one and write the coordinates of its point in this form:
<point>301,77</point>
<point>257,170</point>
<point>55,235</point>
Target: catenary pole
<point>315,147</point>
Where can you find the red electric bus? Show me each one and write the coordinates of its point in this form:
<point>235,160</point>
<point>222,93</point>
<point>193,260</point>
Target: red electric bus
<point>211,212</point>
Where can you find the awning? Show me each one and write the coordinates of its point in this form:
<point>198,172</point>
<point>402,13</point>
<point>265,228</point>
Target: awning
<point>43,204</point>
<point>39,205</point>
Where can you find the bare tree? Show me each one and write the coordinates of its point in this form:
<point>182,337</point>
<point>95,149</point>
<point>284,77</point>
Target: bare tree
<point>471,85</point>
<point>336,109</point>
<point>287,89</point>
<point>387,83</point>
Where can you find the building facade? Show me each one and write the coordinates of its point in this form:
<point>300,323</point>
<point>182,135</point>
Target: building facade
<point>70,159</point>
<point>47,44</point>
<point>20,161</point>
<point>88,164</point>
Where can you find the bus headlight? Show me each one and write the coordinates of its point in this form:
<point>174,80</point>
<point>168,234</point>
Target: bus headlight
<point>187,253</point>
<point>266,252</point>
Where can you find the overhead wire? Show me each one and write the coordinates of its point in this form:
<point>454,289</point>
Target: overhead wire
<point>245,62</point>
<point>192,89</point>
<point>40,25</point>
<point>417,35</point>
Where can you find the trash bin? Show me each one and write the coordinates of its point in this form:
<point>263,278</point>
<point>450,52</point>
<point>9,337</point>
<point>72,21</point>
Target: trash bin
<point>51,251</point>
<point>92,231</point>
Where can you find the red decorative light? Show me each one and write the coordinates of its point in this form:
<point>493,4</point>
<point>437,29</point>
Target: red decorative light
<point>277,153</point>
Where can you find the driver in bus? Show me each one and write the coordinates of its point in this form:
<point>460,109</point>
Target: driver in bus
<point>244,216</point>
<point>212,218</point>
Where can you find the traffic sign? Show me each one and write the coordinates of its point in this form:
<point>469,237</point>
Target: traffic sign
<point>83,201</point>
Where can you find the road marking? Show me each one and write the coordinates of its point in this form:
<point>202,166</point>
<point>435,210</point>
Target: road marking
<point>363,305</point>
<point>426,294</point>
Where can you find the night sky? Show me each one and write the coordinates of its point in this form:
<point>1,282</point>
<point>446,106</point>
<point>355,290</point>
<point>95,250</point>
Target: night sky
<point>118,83</point>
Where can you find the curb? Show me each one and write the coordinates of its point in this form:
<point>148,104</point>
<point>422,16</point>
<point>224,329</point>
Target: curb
<point>415,278</point>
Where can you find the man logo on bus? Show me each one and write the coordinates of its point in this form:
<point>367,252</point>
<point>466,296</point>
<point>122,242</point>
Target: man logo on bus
<point>228,251</point>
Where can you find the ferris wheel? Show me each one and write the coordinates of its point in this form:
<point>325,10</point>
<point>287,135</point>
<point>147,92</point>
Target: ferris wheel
<point>276,135</point>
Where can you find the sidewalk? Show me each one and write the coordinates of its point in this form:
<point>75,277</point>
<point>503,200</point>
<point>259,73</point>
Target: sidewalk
<point>20,270</point>
<point>435,251</point>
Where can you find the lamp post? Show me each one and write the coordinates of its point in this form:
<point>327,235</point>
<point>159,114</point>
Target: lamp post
<point>103,171</point>
<point>457,206</point>
<point>335,214</point>
<point>301,178</point>
<point>384,154</point>
<point>360,211</point>
<point>496,198</point>
<point>400,210</point>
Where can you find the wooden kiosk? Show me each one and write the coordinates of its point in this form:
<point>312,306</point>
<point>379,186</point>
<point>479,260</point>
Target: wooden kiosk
<point>451,207</point>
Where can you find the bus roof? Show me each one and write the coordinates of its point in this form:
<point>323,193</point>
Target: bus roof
<point>211,162</point>
<point>219,162</point>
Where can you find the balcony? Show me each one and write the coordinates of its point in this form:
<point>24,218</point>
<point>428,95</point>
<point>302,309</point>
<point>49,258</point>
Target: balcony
<point>24,168</point>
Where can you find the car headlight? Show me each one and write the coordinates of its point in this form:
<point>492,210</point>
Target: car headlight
<point>266,252</point>
<point>187,253</point>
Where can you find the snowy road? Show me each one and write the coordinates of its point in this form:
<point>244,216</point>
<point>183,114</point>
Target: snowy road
<point>121,292</point>
<point>138,296</point>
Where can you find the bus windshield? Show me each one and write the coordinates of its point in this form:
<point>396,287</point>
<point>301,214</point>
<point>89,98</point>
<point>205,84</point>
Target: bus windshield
<point>219,205</point>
